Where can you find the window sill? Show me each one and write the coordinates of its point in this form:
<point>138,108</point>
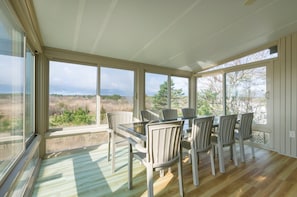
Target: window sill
<point>63,132</point>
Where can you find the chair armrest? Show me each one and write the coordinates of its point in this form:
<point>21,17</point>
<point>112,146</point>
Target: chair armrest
<point>140,148</point>
<point>109,130</point>
<point>132,141</point>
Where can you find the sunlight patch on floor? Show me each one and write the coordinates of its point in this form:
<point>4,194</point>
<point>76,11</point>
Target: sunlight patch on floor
<point>261,178</point>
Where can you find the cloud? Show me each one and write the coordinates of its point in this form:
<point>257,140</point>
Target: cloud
<point>72,76</point>
<point>66,78</point>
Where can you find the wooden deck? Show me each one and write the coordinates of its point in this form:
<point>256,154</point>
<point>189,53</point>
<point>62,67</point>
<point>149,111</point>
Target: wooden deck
<point>88,173</point>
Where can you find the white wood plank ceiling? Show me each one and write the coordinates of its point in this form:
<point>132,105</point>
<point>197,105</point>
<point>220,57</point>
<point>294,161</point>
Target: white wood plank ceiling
<point>183,34</point>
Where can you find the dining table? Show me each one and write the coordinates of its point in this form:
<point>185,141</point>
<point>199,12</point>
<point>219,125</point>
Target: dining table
<point>137,130</point>
<point>134,129</point>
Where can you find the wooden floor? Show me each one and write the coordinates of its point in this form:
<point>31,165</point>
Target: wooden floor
<point>87,173</point>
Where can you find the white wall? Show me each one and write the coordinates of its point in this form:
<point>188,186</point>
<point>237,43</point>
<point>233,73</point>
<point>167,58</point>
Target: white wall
<point>285,96</point>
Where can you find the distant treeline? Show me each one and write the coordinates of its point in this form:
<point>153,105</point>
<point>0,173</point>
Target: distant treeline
<point>112,97</point>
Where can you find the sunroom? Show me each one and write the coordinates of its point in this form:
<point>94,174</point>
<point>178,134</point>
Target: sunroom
<point>65,64</point>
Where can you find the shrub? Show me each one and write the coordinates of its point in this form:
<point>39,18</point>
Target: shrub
<point>75,117</point>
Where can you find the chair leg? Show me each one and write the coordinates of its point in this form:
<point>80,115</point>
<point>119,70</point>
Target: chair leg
<point>252,147</point>
<point>189,155</point>
<point>113,153</point>
<point>162,173</point>
<point>241,145</point>
<point>150,182</point>
<point>108,153</point>
<point>130,167</point>
<point>180,177</point>
<point>214,151</point>
<point>234,155</point>
<point>212,163</point>
<point>195,167</point>
<point>221,158</point>
<point>231,152</point>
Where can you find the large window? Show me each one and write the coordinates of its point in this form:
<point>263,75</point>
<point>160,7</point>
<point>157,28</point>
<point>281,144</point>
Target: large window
<point>246,92</point>
<point>80,96</point>
<point>72,99</point>
<point>12,85</point>
<point>156,92</point>
<point>210,95</point>
<point>163,91</point>
<point>179,93</point>
<point>116,91</point>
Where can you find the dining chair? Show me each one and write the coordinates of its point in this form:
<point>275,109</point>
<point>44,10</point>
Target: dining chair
<point>189,113</point>
<point>199,142</point>
<point>115,118</point>
<point>163,149</point>
<point>169,114</point>
<point>224,136</point>
<point>244,132</point>
<point>147,115</point>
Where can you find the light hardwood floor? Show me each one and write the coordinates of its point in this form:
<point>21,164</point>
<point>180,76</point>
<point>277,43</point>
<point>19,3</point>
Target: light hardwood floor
<point>88,173</point>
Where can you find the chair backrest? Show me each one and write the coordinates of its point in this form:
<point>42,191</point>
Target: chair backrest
<point>226,129</point>
<point>245,125</point>
<point>147,115</point>
<point>189,112</point>
<point>169,114</point>
<point>201,133</point>
<point>119,117</point>
<point>163,143</point>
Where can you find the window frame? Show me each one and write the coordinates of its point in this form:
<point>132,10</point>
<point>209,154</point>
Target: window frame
<point>169,81</point>
<point>265,128</point>
<point>19,48</point>
<point>78,129</point>
<point>51,129</point>
<point>29,138</point>
<point>99,85</point>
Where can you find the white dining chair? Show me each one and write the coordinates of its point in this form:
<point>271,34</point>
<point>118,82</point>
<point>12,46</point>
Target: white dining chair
<point>225,137</point>
<point>199,142</point>
<point>244,132</point>
<point>147,115</point>
<point>163,149</point>
<point>115,118</point>
<point>188,113</point>
<point>169,114</point>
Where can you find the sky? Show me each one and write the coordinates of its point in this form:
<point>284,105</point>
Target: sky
<point>68,78</point>
<point>75,79</point>
<point>11,75</point>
